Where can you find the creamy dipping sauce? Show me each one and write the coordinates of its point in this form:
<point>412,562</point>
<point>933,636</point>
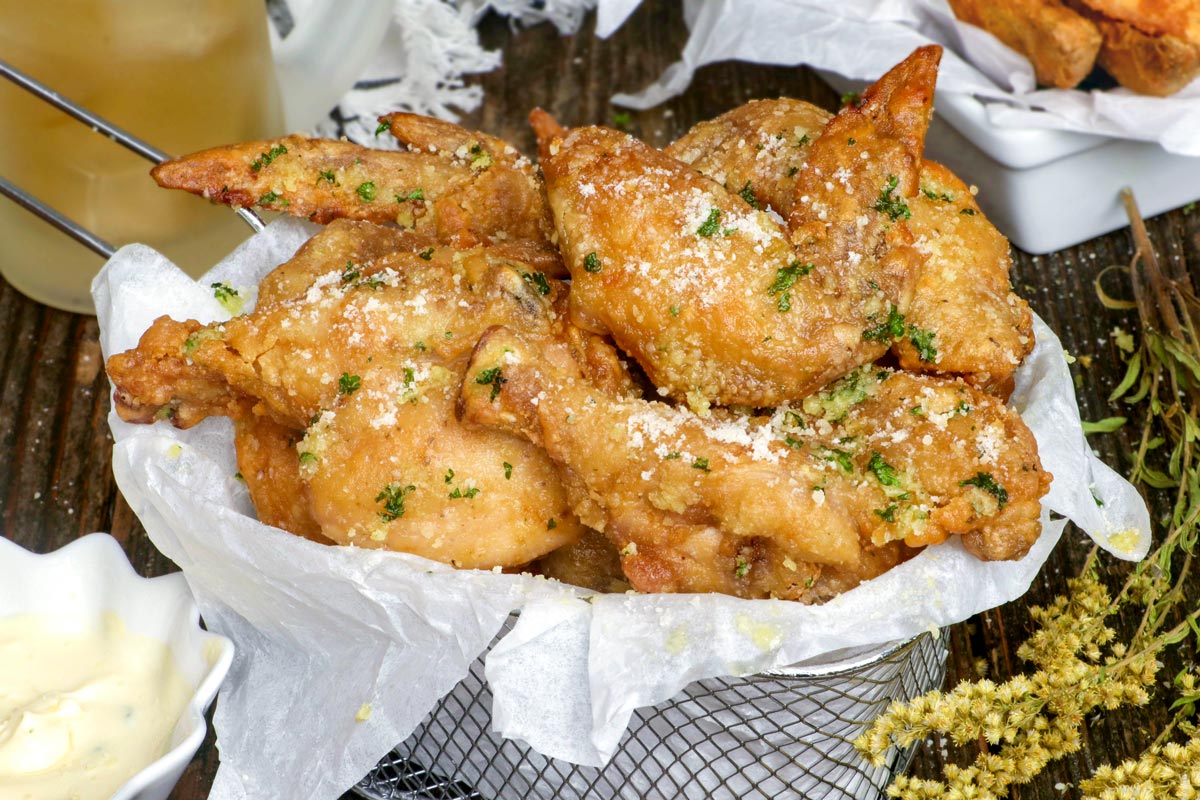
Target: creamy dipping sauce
<point>81,710</point>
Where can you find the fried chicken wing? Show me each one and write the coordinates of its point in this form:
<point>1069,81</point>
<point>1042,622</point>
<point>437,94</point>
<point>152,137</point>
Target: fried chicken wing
<point>715,299</point>
<point>465,198</point>
<point>686,503</point>
<point>830,491</point>
<point>963,318</point>
<point>948,459</point>
<point>362,366</point>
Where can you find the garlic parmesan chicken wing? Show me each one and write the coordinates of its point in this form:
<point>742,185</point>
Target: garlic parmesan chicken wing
<point>799,505</point>
<point>478,192</point>
<point>361,365</point>
<point>720,302</point>
<point>963,318</point>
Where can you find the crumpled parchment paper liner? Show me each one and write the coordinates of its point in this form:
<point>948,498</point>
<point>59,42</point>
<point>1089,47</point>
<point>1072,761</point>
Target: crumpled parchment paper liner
<point>342,651</point>
<point>862,39</point>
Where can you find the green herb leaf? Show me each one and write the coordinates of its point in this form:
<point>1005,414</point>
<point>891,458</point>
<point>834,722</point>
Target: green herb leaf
<point>884,472</point>
<point>747,194</point>
<point>712,224</point>
<point>392,496</point>
<point>266,158</point>
<point>348,384</point>
<point>892,205</point>
<point>366,191</point>
<point>891,328</point>
<point>1106,425</point>
<point>493,377</point>
<point>538,281</point>
<point>701,464</point>
<point>591,262</point>
<point>985,481</point>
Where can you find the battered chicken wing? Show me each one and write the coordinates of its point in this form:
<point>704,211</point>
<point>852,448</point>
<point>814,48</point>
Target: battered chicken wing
<point>363,363</point>
<point>465,197</point>
<point>836,489</point>
<point>715,299</point>
<point>948,458</point>
<point>963,318</point>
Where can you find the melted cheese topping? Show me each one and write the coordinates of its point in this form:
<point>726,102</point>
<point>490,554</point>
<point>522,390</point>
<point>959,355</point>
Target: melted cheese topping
<point>81,710</point>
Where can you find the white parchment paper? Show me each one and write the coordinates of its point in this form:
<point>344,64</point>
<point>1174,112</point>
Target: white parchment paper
<point>326,632</point>
<point>862,39</point>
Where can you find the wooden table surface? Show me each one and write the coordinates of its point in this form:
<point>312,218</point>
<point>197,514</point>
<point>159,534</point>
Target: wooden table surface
<point>55,469</point>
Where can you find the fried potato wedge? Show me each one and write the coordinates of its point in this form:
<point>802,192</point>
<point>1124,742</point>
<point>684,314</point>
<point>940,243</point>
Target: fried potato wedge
<point>1061,44</point>
<point>1151,46</point>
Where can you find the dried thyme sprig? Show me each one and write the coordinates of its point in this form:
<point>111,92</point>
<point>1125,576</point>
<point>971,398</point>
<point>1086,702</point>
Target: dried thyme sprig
<point>1030,720</point>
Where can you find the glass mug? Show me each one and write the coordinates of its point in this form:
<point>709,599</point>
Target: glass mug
<point>181,75</point>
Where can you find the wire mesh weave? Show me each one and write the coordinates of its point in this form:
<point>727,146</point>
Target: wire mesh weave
<point>772,735</point>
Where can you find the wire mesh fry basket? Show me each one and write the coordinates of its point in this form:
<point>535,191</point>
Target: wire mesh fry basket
<point>779,734</point>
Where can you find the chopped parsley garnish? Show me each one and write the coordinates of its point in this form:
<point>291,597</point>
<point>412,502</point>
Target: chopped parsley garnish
<point>712,224</point>
<point>670,456</point>
<point>842,458</point>
<point>741,567</point>
<point>701,464</point>
<point>366,191</point>
<point>890,328</point>
<point>889,204</point>
<point>426,254</point>
<point>551,524</point>
<point>923,341</point>
<point>803,140</point>
<point>392,496</point>
<point>962,408</point>
<point>410,375</point>
<point>784,278</point>
<point>591,262</point>
<point>449,476</point>
<point>538,281</point>
<point>228,297</point>
<point>852,141</point>
<point>917,411</point>
<point>985,481</point>
<point>885,473</point>
<point>507,471</point>
<point>747,194</point>
<point>420,346</point>
<point>350,273</point>
<point>970,212</point>
<point>793,442</point>
<point>794,419</point>
<point>271,198</point>
<point>674,311</point>
<point>381,127</point>
<point>887,514</point>
<point>308,457</point>
<point>348,384</point>
<point>945,197</point>
<point>459,494</point>
<point>415,194</point>
<point>265,159</point>
<point>481,159</point>
<point>327,176</point>
<point>792,171</point>
<point>493,378</point>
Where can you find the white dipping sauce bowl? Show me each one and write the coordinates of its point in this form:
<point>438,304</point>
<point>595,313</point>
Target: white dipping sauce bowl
<point>90,578</point>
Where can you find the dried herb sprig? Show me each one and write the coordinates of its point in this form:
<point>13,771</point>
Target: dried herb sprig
<point>1030,720</point>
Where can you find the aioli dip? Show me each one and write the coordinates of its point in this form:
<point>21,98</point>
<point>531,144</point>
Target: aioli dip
<point>81,710</point>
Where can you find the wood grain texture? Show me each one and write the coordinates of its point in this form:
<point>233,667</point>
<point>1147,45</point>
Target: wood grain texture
<point>55,451</point>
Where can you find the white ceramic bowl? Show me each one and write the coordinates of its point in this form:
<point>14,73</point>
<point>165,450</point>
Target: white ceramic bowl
<point>91,577</point>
